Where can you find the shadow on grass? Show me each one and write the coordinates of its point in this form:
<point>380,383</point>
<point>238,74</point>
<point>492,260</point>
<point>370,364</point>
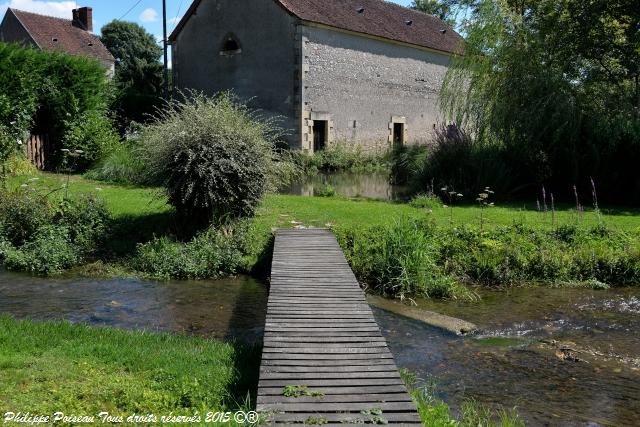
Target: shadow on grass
<point>262,268</point>
<point>130,230</point>
<point>244,390</point>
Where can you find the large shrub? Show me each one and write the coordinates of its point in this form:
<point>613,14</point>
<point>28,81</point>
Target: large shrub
<point>47,92</point>
<point>93,134</point>
<point>43,236</point>
<point>213,156</point>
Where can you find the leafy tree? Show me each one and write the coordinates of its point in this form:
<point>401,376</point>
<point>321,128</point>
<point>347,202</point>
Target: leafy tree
<point>443,9</point>
<point>556,84</point>
<point>44,92</point>
<point>139,75</point>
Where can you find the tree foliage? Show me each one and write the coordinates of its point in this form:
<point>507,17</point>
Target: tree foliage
<point>139,76</point>
<point>556,84</point>
<point>45,92</point>
<point>443,9</point>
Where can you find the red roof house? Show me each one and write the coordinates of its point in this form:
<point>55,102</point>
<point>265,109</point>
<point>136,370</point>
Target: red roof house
<point>73,36</point>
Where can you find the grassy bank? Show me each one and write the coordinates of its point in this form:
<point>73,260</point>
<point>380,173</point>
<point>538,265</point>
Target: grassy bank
<point>56,366</point>
<point>434,412</point>
<point>398,249</point>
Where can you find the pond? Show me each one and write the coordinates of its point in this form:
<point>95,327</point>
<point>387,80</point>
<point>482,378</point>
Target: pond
<point>372,186</point>
<point>562,357</point>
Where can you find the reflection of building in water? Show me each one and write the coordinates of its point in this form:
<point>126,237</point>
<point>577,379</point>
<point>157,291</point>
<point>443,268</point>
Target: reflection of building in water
<point>373,186</point>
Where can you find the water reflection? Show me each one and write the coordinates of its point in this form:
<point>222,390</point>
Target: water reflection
<point>373,186</point>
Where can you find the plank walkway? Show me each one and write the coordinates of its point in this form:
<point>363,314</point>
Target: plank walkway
<point>321,337</point>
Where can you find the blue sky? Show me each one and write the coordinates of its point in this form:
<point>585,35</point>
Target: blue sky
<point>147,13</point>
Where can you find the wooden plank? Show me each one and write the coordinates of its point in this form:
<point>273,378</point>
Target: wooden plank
<point>337,398</point>
<point>339,391</point>
<point>321,406</point>
<point>326,375</point>
<point>329,369</point>
<point>344,417</point>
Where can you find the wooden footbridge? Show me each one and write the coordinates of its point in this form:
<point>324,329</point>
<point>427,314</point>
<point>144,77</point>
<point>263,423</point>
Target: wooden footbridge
<point>324,359</point>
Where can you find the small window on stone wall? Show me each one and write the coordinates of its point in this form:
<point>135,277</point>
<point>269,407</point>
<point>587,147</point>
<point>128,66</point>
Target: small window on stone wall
<point>230,46</point>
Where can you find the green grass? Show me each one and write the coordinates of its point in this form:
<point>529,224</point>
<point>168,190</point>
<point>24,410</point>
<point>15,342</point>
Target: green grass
<point>400,249</point>
<point>56,366</point>
<point>288,211</point>
<point>436,413</point>
<point>122,200</point>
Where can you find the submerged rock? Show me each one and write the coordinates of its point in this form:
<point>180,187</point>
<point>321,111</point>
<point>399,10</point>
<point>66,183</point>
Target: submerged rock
<point>449,324</point>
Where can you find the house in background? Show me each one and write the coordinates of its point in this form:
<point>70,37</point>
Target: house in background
<point>73,36</point>
<point>364,71</point>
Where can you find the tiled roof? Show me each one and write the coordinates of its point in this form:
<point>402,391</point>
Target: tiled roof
<point>373,17</point>
<point>57,34</point>
<point>379,18</point>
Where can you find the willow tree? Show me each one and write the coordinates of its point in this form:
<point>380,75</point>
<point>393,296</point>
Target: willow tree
<point>555,83</point>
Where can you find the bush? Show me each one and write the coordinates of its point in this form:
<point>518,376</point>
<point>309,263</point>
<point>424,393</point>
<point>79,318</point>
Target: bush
<point>50,251</point>
<point>44,92</point>
<point>212,254</point>
<point>22,213</point>
<point>213,156</point>
<point>398,260</point>
<point>43,236</point>
<point>120,165</point>
<point>87,219</point>
<point>342,156</point>
<point>94,135</point>
<point>456,160</point>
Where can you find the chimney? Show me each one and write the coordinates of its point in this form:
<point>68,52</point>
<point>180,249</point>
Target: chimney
<point>83,18</point>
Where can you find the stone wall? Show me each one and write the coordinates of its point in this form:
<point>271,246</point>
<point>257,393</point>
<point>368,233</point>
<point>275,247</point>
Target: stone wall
<point>264,72</point>
<point>363,85</point>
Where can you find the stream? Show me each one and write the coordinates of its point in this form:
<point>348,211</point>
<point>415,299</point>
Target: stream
<point>561,357</point>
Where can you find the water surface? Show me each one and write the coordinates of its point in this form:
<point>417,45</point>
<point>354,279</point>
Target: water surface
<point>222,309</point>
<point>562,357</point>
<point>372,186</point>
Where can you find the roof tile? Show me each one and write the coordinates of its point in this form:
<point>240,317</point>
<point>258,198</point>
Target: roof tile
<point>373,17</point>
<point>57,34</point>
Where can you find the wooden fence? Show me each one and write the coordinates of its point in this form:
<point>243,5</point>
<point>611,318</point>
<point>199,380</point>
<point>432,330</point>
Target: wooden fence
<point>38,149</point>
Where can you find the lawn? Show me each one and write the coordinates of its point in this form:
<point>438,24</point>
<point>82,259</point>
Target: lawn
<point>55,366</point>
<point>288,211</point>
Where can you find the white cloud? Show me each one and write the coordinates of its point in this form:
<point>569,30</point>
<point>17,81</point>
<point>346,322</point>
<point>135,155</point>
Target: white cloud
<point>61,9</point>
<point>175,20</point>
<point>149,15</point>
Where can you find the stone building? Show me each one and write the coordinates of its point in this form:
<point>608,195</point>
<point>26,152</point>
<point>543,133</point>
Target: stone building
<point>73,36</point>
<point>364,71</point>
